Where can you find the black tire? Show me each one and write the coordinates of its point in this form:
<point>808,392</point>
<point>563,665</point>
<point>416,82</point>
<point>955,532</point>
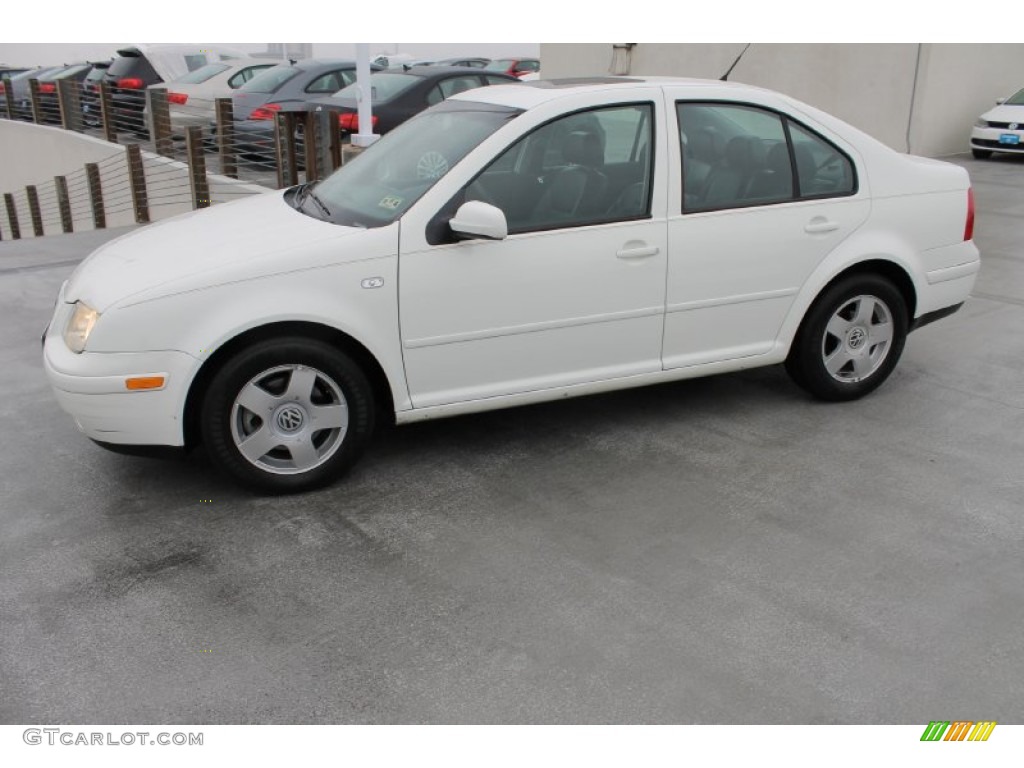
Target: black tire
<point>981,154</point>
<point>861,360</point>
<point>266,377</point>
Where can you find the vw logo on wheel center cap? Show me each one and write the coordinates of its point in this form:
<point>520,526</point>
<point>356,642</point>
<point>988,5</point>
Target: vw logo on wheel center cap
<point>290,418</point>
<point>856,338</point>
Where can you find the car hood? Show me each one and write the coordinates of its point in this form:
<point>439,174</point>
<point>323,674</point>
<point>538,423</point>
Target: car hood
<point>230,242</point>
<point>1005,113</point>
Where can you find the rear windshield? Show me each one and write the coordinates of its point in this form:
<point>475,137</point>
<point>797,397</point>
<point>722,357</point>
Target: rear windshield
<point>383,85</point>
<point>500,65</point>
<point>203,74</point>
<point>132,66</point>
<point>270,80</point>
<point>96,73</point>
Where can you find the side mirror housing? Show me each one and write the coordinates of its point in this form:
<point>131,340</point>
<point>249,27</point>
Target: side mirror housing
<point>1000,100</point>
<point>478,220</point>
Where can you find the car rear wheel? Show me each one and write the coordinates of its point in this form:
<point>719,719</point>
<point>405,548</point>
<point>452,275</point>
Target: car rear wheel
<point>981,154</point>
<point>850,340</point>
<point>287,415</point>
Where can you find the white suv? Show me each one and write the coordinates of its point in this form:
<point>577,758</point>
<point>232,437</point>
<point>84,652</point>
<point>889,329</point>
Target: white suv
<point>512,245</point>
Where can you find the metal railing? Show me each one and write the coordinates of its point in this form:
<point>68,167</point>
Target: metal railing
<point>152,124</point>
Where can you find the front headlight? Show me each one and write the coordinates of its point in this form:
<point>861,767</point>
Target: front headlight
<point>980,123</point>
<point>80,326</point>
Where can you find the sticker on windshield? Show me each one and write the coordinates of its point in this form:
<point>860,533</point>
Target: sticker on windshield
<point>390,202</point>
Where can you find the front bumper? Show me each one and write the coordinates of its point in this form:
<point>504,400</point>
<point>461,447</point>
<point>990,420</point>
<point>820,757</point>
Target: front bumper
<point>989,139</point>
<point>91,387</point>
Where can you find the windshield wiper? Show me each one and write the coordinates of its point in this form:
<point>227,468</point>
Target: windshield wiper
<point>319,203</point>
<point>305,192</point>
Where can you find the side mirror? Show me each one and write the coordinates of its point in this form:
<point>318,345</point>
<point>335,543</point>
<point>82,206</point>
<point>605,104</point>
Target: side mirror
<point>1000,100</point>
<point>477,220</point>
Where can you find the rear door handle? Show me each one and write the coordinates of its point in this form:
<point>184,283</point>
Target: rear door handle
<point>638,253</point>
<point>818,225</point>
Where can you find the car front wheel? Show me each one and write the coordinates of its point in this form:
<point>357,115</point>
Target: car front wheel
<point>287,415</point>
<point>981,154</point>
<point>850,339</point>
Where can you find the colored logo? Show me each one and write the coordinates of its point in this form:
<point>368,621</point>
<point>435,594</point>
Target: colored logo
<point>959,730</point>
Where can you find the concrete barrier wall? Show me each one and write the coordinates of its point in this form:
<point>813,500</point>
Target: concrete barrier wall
<point>34,154</point>
<point>917,98</point>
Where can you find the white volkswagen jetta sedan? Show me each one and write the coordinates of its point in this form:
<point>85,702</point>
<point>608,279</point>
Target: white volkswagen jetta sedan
<point>512,245</point>
<point>1000,129</point>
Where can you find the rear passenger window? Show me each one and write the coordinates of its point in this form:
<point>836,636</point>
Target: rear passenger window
<point>455,85</point>
<point>733,156</point>
<point>822,170</point>
<point>736,156</point>
<point>328,83</point>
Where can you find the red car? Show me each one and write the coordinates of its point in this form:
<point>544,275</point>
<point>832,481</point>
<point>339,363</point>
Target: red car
<point>516,67</point>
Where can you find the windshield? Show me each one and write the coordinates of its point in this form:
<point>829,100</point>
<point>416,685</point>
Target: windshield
<point>203,74</point>
<point>269,80</point>
<point>384,86</point>
<point>1017,100</point>
<point>386,179</point>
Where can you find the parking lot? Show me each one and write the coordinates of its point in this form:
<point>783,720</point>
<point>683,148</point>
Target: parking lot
<point>722,550</point>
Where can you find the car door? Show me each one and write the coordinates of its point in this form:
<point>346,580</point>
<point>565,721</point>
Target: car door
<point>758,201</point>
<point>575,293</point>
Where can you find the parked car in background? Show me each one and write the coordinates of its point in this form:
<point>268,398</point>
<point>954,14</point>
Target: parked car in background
<point>1001,129</point>
<point>536,243</point>
<point>91,93</point>
<point>21,94</point>
<point>387,60</point>
<point>288,87</point>
<point>49,100</point>
<point>472,61</point>
<point>8,73</point>
<point>191,98</point>
<point>135,68</point>
<point>398,94</point>
<point>516,67</point>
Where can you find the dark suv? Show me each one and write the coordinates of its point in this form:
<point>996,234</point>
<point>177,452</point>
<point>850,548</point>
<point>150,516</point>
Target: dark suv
<point>136,68</point>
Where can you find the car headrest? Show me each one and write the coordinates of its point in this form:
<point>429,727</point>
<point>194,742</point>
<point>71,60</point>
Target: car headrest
<point>583,148</point>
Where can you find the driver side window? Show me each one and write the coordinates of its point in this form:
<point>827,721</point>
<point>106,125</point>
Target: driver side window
<point>589,167</point>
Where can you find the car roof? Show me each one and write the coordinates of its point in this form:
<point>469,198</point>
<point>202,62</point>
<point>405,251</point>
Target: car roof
<point>525,95</point>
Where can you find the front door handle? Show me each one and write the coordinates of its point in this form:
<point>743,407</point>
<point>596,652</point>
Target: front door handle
<point>642,252</point>
<point>819,224</point>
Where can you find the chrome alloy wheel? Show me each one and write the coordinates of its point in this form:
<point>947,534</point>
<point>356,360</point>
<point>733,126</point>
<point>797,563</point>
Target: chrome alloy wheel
<point>289,419</point>
<point>857,339</point>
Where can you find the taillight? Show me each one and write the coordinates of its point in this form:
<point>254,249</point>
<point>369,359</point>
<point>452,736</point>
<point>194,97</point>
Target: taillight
<point>969,226</point>
<point>47,88</point>
<point>3,88</point>
<point>349,121</point>
<point>133,83</point>
<point>266,112</point>
<point>177,98</point>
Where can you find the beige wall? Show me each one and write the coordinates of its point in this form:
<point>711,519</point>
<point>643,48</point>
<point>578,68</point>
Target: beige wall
<point>871,86</point>
<point>34,154</point>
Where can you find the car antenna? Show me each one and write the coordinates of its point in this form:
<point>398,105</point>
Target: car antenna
<point>728,72</point>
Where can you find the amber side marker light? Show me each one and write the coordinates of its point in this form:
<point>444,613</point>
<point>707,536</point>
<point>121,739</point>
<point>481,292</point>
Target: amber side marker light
<point>144,382</point>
